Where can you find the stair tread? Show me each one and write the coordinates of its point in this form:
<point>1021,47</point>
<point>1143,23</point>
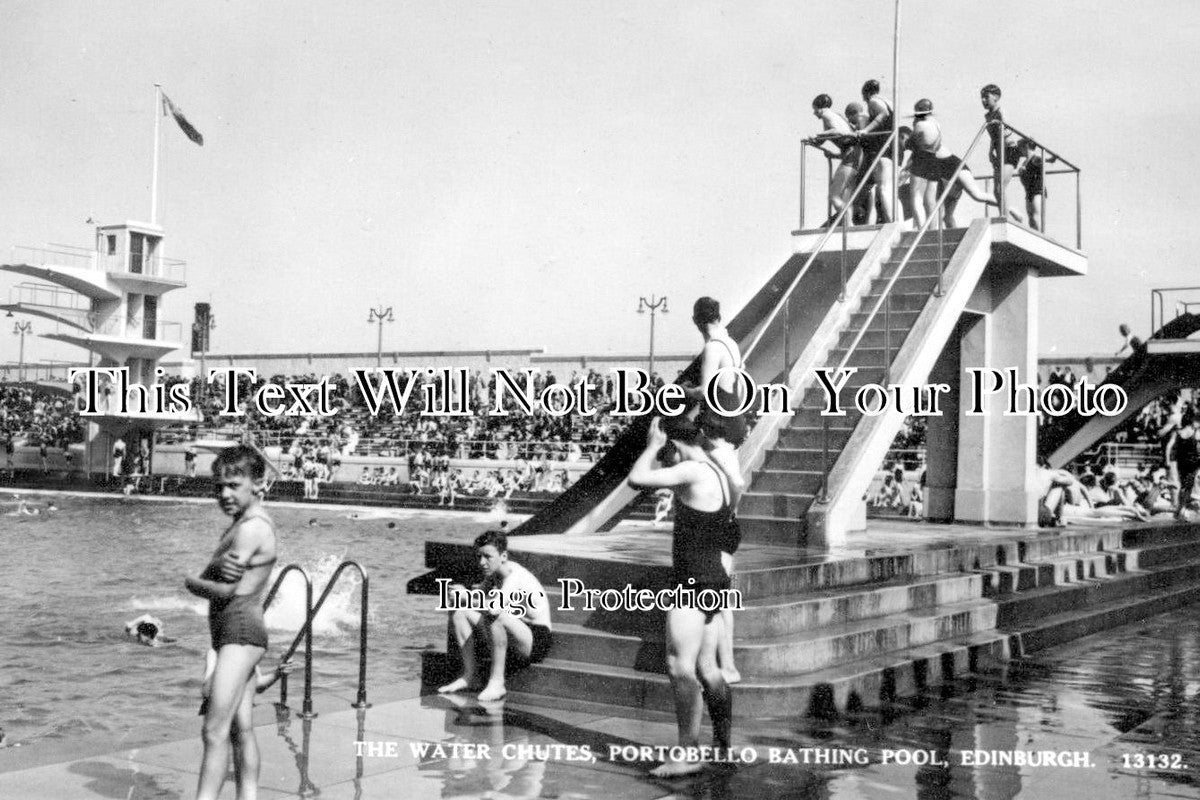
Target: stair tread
<point>853,627</point>
<point>1049,589</point>
<point>854,590</point>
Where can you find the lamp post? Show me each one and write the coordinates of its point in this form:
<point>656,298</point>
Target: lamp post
<point>20,329</point>
<point>654,305</point>
<point>202,329</point>
<point>380,315</point>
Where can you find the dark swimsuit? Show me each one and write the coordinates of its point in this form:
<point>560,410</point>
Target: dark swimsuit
<point>873,142</point>
<point>715,426</point>
<point>237,619</point>
<point>700,538</point>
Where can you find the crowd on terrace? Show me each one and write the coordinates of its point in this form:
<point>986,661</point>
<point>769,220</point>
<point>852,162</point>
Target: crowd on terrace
<point>481,433</point>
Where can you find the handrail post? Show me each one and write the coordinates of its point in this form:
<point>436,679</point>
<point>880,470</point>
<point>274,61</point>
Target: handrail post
<point>1078,213</point>
<point>887,336</point>
<point>824,459</point>
<point>829,191</point>
<point>306,708</point>
<point>1043,208</point>
<point>937,292</point>
<point>787,336</point>
<point>803,170</point>
<point>361,700</point>
<point>1003,184</point>
<point>845,245</point>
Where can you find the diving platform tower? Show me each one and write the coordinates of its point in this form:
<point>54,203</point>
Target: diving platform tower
<point>108,300</point>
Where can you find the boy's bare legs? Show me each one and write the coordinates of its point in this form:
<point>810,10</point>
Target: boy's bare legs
<point>231,680</point>
<point>245,746</point>
<point>505,630</point>
<point>692,665</point>
<point>685,637</point>
<point>466,624</point>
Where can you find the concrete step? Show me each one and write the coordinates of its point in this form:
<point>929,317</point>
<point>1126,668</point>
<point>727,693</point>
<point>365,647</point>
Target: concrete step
<point>926,266</point>
<point>808,413</point>
<point>1018,609</point>
<point>803,651</point>
<point>792,457</point>
<point>815,438</point>
<point>843,642</point>
<point>900,320</point>
<point>769,617</point>
<point>782,616</point>
<point>1040,618</point>
<point>792,481</point>
<point>909,299</point>
<point>776,503</point>
<point>762,529</point>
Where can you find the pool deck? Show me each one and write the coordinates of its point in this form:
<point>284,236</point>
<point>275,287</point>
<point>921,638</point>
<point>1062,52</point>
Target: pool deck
<point>1123,693</point>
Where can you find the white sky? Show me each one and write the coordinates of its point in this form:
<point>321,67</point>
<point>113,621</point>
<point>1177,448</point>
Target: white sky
<point>516,174</point>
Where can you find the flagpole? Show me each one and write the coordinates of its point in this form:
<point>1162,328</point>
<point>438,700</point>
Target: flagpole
<point>896,211</point>
<point>154,173</point>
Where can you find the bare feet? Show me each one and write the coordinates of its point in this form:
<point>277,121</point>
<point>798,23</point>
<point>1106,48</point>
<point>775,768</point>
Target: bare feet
<point>675,769</point>
<point>493,691</point>
<point>731,676</point>
<point>460,685</point>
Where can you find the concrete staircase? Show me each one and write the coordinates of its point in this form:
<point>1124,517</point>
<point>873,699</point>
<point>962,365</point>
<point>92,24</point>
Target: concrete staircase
<point>835,634</point>
<point>782,491</point>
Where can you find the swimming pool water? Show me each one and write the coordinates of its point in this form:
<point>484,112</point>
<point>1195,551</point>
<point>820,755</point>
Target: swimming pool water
<point>74,576</point>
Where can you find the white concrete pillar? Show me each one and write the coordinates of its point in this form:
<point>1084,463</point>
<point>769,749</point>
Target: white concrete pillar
<point>997,470</point>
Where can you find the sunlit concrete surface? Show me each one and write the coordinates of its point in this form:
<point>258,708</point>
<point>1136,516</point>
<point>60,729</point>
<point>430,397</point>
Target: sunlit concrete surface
<point>1112,697</point>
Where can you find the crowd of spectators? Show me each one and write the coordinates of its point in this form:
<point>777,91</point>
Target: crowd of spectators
<point>533,436</point>
<point>30,416</point>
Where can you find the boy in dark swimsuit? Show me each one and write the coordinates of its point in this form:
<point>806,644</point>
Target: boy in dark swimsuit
<point>875,139</point>
<point>1004,165</point>
<point>701,514</point>
<point>234,582</point>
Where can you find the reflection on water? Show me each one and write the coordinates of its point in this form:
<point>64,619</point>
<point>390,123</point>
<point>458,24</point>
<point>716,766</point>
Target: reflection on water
<point>1103,701</point>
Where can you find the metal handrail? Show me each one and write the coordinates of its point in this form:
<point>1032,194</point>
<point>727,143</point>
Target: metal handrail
<point>305,631</point>
<point>1003,194</point>
<point>785,302</point>
<point>313,609</point>
<point>884,301</point>
<point>1158,312</point>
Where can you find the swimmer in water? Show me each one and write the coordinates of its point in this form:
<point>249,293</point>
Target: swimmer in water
<point>147,630</point>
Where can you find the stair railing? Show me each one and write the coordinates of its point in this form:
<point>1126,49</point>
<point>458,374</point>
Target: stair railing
<point>785,302</point>
<point>305,633</point>
<point>885,302</point>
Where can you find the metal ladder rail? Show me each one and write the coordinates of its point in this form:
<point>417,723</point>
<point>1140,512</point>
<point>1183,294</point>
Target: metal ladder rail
<point>305,632</point>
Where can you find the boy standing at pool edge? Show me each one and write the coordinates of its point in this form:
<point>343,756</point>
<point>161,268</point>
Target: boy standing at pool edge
<point>233,583</point>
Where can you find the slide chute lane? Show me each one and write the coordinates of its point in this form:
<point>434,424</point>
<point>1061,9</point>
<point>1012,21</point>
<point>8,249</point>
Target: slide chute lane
<point>1143,376</point>
<point>601,492</point>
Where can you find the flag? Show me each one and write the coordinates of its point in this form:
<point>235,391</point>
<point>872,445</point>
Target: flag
<point>184,125</point>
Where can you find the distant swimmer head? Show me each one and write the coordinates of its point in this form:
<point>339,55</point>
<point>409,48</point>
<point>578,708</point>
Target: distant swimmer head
<point>990,89</point>
<point>870,89</point>
<point>705,311</point>
<point>822,102</point>
<point>923,106</point>
<point>855,110</point>
<point>146,629</point>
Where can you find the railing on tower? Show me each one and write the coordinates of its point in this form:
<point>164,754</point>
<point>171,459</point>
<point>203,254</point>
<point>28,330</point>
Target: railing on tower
<point>841,222</point>
<point>1038,158</point>
<point>1183,300</point>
